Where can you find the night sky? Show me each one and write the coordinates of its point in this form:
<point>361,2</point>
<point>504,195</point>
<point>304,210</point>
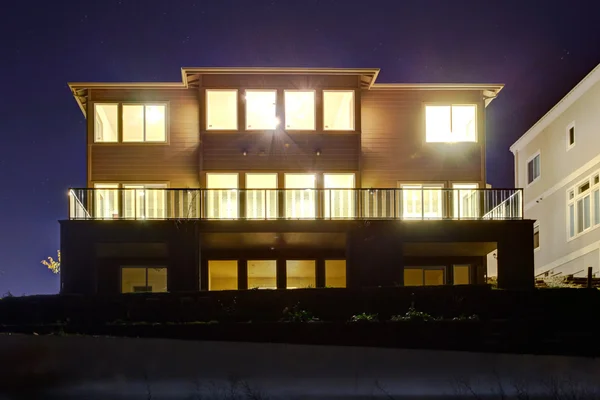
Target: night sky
<point>540,53</point>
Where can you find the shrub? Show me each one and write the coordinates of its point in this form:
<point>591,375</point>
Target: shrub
<point>364,317</point>
<point>413,315</point>
<point>296,314</point>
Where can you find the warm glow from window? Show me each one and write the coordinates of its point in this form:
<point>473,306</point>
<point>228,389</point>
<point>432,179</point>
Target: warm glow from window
<point>338,110</point>
<point>137,279</point>
<point>261,196</point>
<point>145,201</point>
<point>429,276</point>
<point>262,274</point>
<point>222,202</point>
<point>221,110</point>
<point>222,275</point>
<point>261,112</point>
<point>300,110</point>
<point>339,198</point>
<point>452,123</point>
<point>106,200</point>
<point>300,274</point>
<point>422,201</point>
<point>144,123</point>
<point>106,125</point>
<point>335,273</point>
<point>300,202</point>
<point>461,275</point>
<point>466,200</point>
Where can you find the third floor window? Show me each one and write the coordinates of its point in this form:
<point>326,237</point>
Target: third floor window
<point>139,123</point>
<point>338,110</point>
<point>261,111</point>
<point>451,123</point>
<point>299,110</point>
<point>221,109</point>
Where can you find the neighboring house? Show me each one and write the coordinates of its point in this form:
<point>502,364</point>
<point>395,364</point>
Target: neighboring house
<point>557,162</point>
<point>243,178</point>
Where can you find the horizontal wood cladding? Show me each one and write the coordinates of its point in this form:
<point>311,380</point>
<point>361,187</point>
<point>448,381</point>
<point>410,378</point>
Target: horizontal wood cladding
<point>280,151</point>
<point>251,81</point>
<point>393,140</point>
<point>176,162</point>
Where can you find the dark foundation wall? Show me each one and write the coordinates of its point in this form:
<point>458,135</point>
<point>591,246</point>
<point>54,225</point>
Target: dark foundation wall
<point>93,253</point>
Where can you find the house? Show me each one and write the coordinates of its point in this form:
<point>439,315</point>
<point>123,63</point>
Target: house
<point>557,162</point>
<point>240,178</point>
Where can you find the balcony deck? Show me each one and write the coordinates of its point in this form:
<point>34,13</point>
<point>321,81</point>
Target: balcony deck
<point>295,204</point>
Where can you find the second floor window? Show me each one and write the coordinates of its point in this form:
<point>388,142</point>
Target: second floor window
<point>106,123</point>
<point>533,169</point>
<point>261,109</point>
<point>144,123</point>
<point>451,123</point>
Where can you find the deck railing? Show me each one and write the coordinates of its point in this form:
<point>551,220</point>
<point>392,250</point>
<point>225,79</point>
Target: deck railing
<point>293,204</point>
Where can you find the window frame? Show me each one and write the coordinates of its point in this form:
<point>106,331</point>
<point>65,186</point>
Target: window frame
<point>120,141</point>
<point>237,110</point>
<point>568,135</point>
<point>530,159</point>
<point>433,185</point>
<point>146,268</point>
<point>574,189</point>
<point>145,105</point>
<point>423,268</point>
<point>323,109</point>
<point>277,118</point>
<point>451,105</point>
<point>314,126</point>
<point>536,230</point>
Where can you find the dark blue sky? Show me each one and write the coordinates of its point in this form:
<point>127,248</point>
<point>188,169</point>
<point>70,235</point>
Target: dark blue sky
<point>539,52</point>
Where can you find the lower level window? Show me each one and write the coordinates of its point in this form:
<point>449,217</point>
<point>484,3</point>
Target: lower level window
<point>262,274</point>
<point>461,274</point>
<point>222,275</point>
<point>335,273</point>
<point>143,279</point>
<point>300,274</point>
<point>424,276</point>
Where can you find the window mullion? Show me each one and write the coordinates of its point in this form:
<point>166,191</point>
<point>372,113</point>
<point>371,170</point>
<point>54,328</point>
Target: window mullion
<point>451,131</point>
<point>144,122</point>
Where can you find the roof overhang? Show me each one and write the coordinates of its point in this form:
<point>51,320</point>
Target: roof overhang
<point>190,76</point>
<point>488,90</point>
<point>579,90</point>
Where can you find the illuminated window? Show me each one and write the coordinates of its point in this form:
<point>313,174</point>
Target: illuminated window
<point>335,273</point>
<point>106,200</point>
<point>221,109</point>
<point>144,123</point>
<point>533,169</point>
<point>142,279</point>
<point>261,196</point>
<point>422,200</point>
<point>300,274</point>
<point>424,276</point>
<point>461,274</point>
<point>451,123</point>
<point>144,201</point>
<point>222,198</point>
<point>106,123</point>
<point>261,110</point>
<point>300,200</point>
<point>339,195</point>
<point>338,110</point>
<point>299,110</point>
<point>222,274</point>
<point>466,200</point>
<point>262,274</point>
<point>536,235</point>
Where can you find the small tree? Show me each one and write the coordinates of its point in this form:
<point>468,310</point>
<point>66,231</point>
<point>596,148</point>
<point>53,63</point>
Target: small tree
<point>53,265</point>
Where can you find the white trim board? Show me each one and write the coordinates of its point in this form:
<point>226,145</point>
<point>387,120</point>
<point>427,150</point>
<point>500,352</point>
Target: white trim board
<point>579,90</point>
<point>564,181</point>
<point>568,258</point>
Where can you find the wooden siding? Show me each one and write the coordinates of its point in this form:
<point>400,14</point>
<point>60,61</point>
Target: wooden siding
<point>393,140</point>
<point>280,151</point>
<point>257,81</point>
<point>176,162</point>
